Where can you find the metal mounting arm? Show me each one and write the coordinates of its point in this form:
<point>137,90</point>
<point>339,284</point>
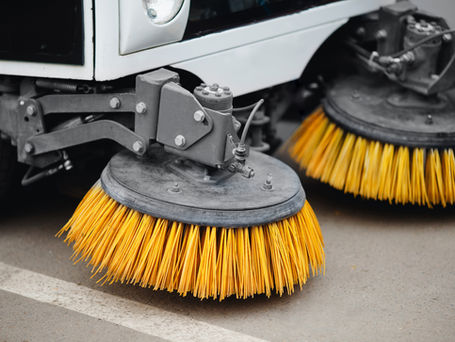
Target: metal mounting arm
<point>198,126</point>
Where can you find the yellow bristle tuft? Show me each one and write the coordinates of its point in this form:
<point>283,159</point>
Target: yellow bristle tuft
<point>373,169</point>
<point>136,248</point>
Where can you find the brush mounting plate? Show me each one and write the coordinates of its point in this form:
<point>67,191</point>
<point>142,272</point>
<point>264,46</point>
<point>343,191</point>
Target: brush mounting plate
<point>373,107</point>
<point>151,186</point>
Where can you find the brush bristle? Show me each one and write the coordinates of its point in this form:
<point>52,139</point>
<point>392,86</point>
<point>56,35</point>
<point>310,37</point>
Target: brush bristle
<point>373,169</point>
<point>135,248</point>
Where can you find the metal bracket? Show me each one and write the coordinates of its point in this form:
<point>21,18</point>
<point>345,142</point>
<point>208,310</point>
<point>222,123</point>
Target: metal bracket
<point>87,103</point>
<point>148,98</point>
<point>97,130</point>
<point>178,124</point>
<point>30,123</point>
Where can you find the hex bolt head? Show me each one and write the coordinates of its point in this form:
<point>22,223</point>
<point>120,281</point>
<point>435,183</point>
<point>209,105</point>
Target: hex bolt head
<point>447,37</point>
<point>381,34</point>
<point>31,110</point>
<point>141,108</point>
<point>138,147</point>
<point>29,148</point>
<point>180,140</point>
<point>268,182</point>
<point>175,188</point>
<point>68,165</point>
<point>360,31</point>
<point>199,116</point>
<point>115,103</point>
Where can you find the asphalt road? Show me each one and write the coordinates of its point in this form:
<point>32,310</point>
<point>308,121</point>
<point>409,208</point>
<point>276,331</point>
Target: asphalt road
<point>390,277</point>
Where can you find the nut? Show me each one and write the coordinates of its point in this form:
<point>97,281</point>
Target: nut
<point>31,110</point>
<point>114,103</point>
<point>138,147</point>
<point>381,34</point>
<point>199,116</point>
<point>447,37</point>
<point>180,140</point>
<point>141,108</point>
<point>268,182</point>
<point>175,188</point>
<point>29,148</point>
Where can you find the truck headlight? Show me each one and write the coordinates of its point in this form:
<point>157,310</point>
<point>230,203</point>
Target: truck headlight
<point>162,11</point>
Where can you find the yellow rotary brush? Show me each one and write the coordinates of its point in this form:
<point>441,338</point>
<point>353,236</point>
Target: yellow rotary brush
<point>156,223</point>
<point>372,138</point>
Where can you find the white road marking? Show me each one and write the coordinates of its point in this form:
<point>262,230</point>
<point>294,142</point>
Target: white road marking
<point>143,318</point>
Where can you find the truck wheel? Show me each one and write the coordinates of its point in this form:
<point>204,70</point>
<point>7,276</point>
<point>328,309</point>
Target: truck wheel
<point>7,167</point>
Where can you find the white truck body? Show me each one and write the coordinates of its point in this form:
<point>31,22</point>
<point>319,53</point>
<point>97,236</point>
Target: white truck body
<point>122,41</point>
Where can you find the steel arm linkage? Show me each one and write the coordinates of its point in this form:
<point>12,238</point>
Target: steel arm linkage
<point>158,110</point>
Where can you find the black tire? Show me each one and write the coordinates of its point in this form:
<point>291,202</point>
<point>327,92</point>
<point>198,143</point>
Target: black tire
<point>7,167</point>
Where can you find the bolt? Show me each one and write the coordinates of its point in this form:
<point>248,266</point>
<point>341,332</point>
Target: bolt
<point>199,88</point>
<point>226,89</point>
<point>228,92</point>
<point>381,34</point>
<point>89,118</point>
<point>175,188</point>
<point>214,87</point>
<point>114,103</point>
<point>31,110</point>
<point>203,85</point>
<point>180,140</point>
<point>313,86</point>
<point>141,108</point>
<point>199,116</point>
<point>447,37</point>
<point>429,120</point>
<point>268,182</point>
<point>68,165</point>
<point>29,148</point>
<point>218,95</point>
<point>205,92</point>
<point>360,31</point>
<point>138,147</point>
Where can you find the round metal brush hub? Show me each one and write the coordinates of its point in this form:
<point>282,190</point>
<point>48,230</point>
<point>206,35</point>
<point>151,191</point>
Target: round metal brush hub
<point>376,108</point>
<point>169,187</point>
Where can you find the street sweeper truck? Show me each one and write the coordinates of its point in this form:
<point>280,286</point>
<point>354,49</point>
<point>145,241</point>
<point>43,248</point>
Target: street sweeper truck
<point>190,93</point>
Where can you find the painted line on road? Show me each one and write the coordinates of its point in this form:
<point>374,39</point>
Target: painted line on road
<point>143,318</point>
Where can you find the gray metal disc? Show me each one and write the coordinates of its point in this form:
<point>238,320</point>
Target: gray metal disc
<point>375,108</point>
<point>152,186</point>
